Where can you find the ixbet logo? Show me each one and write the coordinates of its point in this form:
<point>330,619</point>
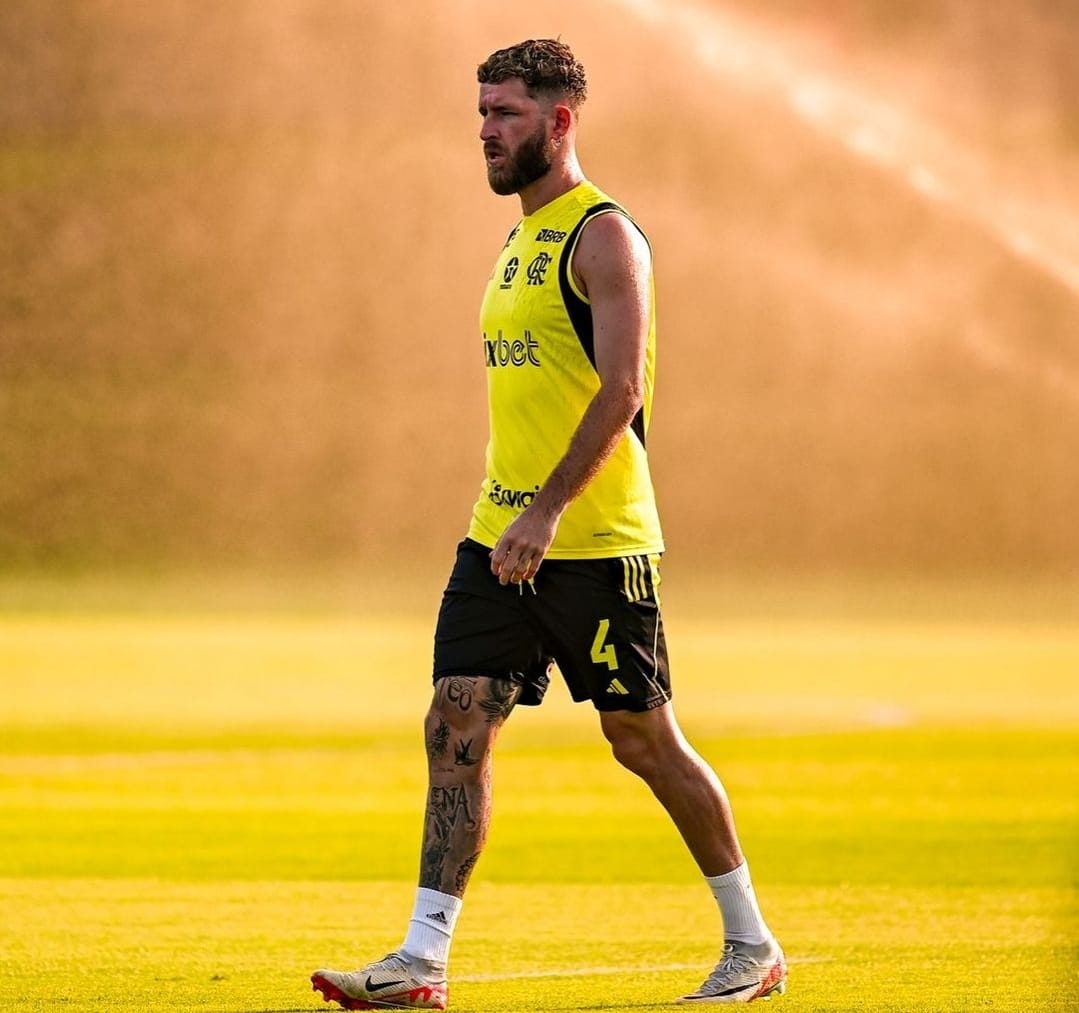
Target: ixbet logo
<point>500,351</point>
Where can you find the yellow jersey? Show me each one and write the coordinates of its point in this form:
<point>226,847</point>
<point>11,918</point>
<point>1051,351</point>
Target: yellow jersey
<point>541,376</point>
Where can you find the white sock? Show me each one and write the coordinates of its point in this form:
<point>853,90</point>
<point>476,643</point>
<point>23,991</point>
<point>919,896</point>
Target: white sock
<point>430,930</point>
<point>737,902</point>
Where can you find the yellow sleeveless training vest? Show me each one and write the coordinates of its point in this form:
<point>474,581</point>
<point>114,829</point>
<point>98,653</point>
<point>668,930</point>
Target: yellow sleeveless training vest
<point>538,348</point>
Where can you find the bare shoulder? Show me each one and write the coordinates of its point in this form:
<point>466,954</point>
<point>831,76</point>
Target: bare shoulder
<point>611,250</point>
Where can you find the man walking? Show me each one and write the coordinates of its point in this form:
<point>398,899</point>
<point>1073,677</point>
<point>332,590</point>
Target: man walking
<point>561,561</point>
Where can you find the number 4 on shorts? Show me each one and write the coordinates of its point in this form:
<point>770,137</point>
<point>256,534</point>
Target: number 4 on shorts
<point>604,653</point>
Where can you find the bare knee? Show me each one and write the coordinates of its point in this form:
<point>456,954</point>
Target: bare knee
<point>455,701</point>
<point>633,742</point>
<point>464,718</point>
<point>650,743</point>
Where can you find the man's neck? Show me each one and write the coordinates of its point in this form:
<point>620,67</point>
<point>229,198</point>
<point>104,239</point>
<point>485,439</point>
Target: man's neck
<point>562,178</point>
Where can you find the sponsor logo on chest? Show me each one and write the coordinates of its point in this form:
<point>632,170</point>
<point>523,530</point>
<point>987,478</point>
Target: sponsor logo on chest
<point>500,351</point>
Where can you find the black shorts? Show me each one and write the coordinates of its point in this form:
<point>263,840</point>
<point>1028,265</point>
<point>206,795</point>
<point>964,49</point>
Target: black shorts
<point>599,619</point>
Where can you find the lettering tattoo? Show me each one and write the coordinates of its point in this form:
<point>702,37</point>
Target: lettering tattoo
<point>448,814</point>
<point>459,691</point>
<point>450,803</point>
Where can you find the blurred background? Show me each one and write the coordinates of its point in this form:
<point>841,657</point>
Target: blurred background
<point>243,245</point>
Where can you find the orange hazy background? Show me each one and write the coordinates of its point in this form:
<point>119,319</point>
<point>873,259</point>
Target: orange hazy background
<point>243,244</point>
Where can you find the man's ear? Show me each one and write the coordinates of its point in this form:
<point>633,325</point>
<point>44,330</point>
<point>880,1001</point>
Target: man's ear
<point>563,120</point>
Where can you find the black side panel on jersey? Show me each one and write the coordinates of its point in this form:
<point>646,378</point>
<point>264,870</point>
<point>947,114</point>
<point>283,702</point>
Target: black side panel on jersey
<point>580,313</point>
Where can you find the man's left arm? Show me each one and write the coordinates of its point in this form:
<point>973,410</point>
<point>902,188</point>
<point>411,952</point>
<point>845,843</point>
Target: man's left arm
<point>612,265</point>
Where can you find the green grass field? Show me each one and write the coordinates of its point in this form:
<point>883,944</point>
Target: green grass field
<point>198,809</point>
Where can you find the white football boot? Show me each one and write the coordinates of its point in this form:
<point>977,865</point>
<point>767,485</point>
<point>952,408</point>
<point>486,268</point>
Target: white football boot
<point>745,973</point>
<point>397,981</point>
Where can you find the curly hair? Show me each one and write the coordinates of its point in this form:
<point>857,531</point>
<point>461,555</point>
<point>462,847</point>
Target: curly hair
<point>546,66</point>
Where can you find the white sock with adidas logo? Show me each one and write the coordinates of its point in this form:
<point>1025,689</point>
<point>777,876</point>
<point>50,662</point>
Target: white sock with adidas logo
<point>430,930</point>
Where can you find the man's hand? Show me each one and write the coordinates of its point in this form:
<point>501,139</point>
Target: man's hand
<point>518,553</point>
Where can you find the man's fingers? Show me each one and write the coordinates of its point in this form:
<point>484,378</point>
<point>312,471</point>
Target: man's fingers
<point>503,563</point>
<point>522,569</point>
<point>498,559</point>
<point>511,565</point>
<point>513,569</point>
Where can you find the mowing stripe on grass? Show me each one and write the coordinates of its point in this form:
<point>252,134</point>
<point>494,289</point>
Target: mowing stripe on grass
<point>587,972</point>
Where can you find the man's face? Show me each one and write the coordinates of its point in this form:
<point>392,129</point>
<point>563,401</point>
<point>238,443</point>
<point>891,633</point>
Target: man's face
<point>515,135</point>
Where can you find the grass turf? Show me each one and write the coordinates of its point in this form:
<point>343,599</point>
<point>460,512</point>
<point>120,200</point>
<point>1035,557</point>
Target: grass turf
<point>196,811</point>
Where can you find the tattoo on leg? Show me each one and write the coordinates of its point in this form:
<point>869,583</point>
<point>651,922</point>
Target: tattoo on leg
<point>501,696</point>
<point>438,741</point>
<point>448,811</point>
<point>460,691</point>
<point>462,757</point>
<point>431,862</point>
<point>452,803</point>
<point>464,870</point>
<point>458,809</point>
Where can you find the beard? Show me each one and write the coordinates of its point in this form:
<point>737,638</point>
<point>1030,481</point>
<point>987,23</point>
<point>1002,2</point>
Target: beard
<point>525,166</point>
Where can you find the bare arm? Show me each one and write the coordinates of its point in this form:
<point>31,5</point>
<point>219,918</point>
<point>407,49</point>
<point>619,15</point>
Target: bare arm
<point>612,265</point>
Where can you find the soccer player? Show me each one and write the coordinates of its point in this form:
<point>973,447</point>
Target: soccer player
<point>561,560</point>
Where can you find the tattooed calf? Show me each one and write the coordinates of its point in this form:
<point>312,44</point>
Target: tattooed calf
<point>447,805</point>
<point>448,812</point>
<point>464,870</point>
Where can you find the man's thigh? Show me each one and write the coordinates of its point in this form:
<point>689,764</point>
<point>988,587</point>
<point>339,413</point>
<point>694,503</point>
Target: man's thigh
<point>601,621</point>
<point>484,628</point>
